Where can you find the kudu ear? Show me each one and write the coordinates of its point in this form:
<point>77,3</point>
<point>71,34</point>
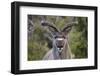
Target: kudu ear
<point>50,26</point>
<point>68,27</point>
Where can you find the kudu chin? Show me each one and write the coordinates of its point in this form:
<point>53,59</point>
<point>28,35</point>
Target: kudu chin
<point>60,49</point>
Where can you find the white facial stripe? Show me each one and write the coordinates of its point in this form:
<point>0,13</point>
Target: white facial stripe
<point>59,38</point>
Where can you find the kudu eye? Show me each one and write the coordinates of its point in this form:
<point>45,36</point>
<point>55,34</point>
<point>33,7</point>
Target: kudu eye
<point>64,37</point>
<point>55,37</point>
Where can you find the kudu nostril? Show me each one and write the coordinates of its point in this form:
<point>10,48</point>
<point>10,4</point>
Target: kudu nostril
<point>60,44</point>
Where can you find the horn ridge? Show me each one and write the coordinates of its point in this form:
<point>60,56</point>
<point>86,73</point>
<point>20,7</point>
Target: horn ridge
<point>69,25</point>
<point>45,23</point>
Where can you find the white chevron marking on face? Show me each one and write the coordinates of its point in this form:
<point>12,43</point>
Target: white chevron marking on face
<point>60,39</point>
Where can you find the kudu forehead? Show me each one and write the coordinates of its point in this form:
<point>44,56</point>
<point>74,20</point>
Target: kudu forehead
<point>60,35</point>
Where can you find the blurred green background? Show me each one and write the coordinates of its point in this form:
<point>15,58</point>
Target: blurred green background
<point>40,39</point>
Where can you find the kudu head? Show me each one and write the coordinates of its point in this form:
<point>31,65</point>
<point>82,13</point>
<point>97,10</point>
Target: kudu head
<point>59,36</point>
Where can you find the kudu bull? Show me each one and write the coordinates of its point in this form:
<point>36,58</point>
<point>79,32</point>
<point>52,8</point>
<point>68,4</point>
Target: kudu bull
<point>61,49</point>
